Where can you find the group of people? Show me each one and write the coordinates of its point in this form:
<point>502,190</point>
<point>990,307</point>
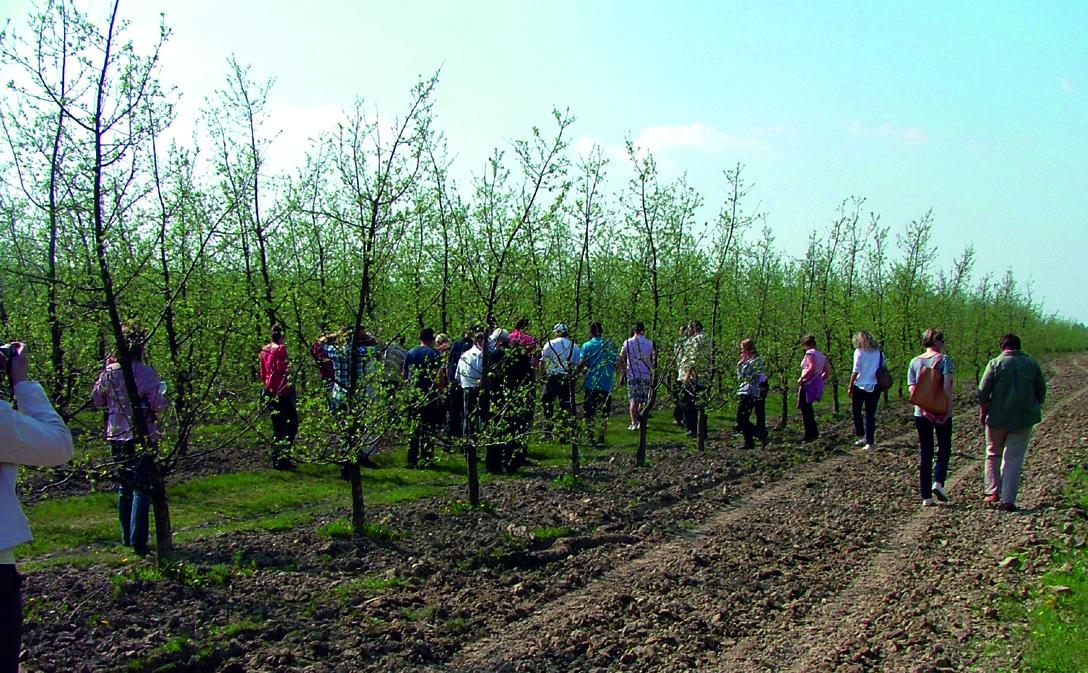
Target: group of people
<point>459,387</point>
<point>489,381</point>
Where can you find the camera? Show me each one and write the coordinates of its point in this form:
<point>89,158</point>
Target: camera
<point>8,351</point>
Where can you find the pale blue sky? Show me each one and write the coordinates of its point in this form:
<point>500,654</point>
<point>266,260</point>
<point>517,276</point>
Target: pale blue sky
<point>974,109</point>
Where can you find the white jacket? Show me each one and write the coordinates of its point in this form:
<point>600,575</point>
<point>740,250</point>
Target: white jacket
<point>34,435</point>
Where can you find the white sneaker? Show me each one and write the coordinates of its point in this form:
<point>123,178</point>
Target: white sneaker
<point>929,502</point>
<point>938,492</point>
<point>633,426</point>
<point>867,447</point>
<point>860,442</point>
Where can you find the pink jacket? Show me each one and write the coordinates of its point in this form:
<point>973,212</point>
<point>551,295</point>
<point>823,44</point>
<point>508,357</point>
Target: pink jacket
<point>109,392</point>
<point>814,370</point>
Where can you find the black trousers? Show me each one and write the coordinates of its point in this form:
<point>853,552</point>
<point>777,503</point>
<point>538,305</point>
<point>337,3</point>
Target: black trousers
<point>928,470</point>
<point>691,399</point>
<point>752,431</point>
<point>11,618</point>
<point>860,398</point>
<point>808,417</point>
<point>284,422</point>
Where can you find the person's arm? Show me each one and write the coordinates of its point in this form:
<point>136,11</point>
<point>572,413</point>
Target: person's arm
<point>36,434</point>
<point>808,368</point>
<point>1040,385</point>
<point>985,389</point>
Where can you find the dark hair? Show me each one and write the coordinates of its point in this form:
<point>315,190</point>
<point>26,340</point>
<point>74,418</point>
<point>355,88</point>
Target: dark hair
<point>277,333</point>
<point>695,326</point>
<point>809,341</point>
<point>639,326</point>
<point>478,335</point>
<point>522,323</point>
<point>931,336</point>
<point>596,329</point>
<point>1010,342</point>
<point>749,346</point>
<point>135,338</point>
<point>426,334</point>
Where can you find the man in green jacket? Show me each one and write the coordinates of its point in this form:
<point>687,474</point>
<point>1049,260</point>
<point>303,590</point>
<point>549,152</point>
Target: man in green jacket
<point>1010,396</point>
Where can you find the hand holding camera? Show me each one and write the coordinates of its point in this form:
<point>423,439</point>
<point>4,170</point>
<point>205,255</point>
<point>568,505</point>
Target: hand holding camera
<point>14,361</point>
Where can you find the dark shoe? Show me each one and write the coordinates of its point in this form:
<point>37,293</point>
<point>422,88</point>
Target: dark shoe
<point>600,442</point>
<point>1009,507</point>
<point>284,464</point>
<point>141,551</point>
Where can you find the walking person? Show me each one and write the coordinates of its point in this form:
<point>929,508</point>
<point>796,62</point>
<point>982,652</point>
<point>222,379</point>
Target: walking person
<point>752,392</point>
<point>133,501</point>
<point>862,390</point>
<point>559,359</point>
<point>1010,397</point>
<point>693,375</point>
<point>599,364</point>
<point>275,375</point>
<point>636,362</point>
<point>33,435</point>
<point>930,424</point>
<point>421,370</point>
<point>814,374</point>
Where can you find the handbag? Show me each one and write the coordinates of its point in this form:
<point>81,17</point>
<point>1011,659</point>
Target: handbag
<point>884,380</point>
<point>929,394</point>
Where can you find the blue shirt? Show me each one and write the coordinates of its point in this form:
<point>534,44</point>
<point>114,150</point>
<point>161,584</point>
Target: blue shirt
<point>421,366</point>
<point>599,357</point>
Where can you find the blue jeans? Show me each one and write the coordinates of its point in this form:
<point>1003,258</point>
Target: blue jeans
<point>133,502</point>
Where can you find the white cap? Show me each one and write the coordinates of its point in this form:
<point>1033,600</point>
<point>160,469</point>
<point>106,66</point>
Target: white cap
<point>560,327</point>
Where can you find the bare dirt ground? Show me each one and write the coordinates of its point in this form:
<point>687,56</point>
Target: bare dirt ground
<point>803,559</point>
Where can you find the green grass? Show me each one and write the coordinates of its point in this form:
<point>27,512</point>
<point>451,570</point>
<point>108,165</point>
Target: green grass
<point>1058,619</point>
<point>82,530</point>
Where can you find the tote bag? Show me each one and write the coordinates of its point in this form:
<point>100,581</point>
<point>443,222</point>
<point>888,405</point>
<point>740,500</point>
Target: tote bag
<point>884,380</point>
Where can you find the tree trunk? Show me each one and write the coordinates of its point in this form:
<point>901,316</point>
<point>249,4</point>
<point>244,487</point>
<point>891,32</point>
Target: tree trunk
<point>473,474</point>
<point>575,459</point>
<point>160,506</point>
<point>358,508</point>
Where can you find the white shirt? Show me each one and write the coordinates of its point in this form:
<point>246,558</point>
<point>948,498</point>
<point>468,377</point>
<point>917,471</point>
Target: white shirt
<point>561,356</point>
<point>866,362</point>
<point>34,435</point>
<point>470,368</point>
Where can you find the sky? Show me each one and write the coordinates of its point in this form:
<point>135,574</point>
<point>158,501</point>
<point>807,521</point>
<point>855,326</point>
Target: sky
<point>976,110</point>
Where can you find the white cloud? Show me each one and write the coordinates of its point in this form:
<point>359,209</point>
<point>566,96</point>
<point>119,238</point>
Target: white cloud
<point>1068,84</point>
<point>907,136</point>
<point>698,136</point>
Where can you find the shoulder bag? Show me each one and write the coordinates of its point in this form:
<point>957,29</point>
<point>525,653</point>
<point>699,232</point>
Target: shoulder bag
<point>884,380</point>
<point>929,394</point>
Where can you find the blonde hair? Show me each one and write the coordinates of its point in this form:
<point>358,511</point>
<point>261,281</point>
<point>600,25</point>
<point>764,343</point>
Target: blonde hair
<point>865,341</point>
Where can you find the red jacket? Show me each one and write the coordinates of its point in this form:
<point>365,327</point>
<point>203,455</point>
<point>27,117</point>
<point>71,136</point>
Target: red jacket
<point>274,369</point>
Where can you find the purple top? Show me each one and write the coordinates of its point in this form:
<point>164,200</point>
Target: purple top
<point>109,392</point>
<point>638,353</point>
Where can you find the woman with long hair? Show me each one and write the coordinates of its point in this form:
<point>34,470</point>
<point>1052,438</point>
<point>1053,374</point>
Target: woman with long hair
<point>862,389</point>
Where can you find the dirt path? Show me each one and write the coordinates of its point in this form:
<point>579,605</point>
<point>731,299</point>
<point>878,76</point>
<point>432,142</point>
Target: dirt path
<point>835,569</point>
<point>789,559</point>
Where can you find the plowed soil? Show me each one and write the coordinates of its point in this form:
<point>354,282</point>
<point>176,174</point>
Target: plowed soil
<point>791,558</point>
